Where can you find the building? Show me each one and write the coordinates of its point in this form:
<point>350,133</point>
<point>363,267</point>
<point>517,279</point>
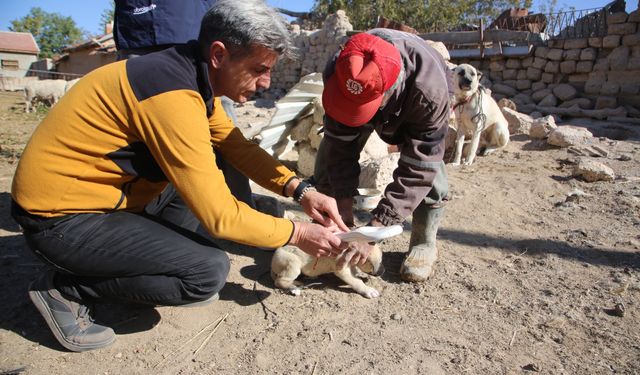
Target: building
<point>81,58</point>
<point>17,52</point>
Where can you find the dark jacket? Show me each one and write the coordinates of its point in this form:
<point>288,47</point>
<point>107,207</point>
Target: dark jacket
<point>151,23</point>
<point>415,118</point>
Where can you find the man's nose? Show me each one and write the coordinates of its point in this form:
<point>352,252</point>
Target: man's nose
<point>264,81</point>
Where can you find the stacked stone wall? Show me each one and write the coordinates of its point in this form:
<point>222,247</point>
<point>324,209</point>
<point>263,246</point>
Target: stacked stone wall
<point>592,73</point>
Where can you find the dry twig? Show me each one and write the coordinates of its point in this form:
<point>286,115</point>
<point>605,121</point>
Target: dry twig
<point>204,343</point>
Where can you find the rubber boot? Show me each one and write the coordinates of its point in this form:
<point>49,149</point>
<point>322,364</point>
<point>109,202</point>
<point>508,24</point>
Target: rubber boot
<point>423,253</point>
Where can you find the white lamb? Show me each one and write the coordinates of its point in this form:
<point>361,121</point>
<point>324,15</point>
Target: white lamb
<point>48,90</point>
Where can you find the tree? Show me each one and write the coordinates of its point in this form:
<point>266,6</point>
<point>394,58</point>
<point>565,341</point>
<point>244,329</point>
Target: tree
<point>423,15</point>
<point>52,31</point>
<point>107,16</point>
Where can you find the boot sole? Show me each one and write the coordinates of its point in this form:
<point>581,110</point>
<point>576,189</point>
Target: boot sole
<point>43,308</point>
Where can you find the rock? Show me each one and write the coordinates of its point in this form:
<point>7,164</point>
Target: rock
<point>592,171</point>
<point>314,137</point>
<point>499,88</point>
<point>378,173</point>
<point>519,123</point>
<point>375,148</point>
<point>396,316</point>
<point>549,101</point>
<point>300,131</point>
<point>504,102</point>
<point>306,159</point>
<point>567,135</point>
<point>537,96</point>
<point>564,92</point>
<point>618,310</point>
<point>583,103</point>
<point>532,367</point>
<point>541,127</point>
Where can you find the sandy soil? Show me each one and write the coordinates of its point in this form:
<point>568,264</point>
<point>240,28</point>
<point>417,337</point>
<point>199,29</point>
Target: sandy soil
<point>528,281</point>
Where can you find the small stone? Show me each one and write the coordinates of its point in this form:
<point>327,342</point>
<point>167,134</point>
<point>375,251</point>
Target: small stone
<point>618,310</point>
<point>119,355</point>
<point>532,367</point>
<point>624,158</point>
<point>396,316</point>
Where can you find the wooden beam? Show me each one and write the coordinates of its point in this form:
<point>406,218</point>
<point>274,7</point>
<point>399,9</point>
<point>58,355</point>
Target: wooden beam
<point>469,37</point>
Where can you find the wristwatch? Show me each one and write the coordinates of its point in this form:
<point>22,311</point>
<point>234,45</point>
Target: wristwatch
<point>302,189</point>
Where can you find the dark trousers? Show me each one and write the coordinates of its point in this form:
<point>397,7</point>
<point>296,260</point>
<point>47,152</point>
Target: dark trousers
<point>123,256</point>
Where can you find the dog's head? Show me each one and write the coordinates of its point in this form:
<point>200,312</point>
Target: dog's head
<point>466,79</point>
<point>373,265</point>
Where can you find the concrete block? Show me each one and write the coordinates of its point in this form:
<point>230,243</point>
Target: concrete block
<point>595,42</point>
<point>584,66</point>
<point>552,67</point>
<point>617,18</point>
<point>568,67</point>
<point>534,74</point>
<point>622,28</point>
<point>611,41</point>
<point>631,40</point>
<point>576,43</point>
<point>555,54</point>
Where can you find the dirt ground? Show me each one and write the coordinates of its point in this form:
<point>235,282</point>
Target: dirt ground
<point>528,281</point>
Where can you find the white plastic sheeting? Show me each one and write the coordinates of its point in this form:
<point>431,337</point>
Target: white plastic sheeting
<point>298,103</point>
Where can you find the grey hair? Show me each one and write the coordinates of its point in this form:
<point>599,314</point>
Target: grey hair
<point>242,24</point>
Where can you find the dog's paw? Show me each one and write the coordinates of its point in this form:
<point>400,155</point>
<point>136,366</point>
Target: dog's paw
<point>370,293</point>
<point>295,292</point>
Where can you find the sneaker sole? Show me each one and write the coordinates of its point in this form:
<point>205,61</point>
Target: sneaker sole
<point>43,308</point>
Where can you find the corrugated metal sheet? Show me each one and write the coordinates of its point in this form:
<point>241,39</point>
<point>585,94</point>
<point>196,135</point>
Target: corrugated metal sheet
<point>298,103</point>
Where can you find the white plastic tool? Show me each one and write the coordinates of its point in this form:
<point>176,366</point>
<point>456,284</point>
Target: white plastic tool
<point>370,234</point>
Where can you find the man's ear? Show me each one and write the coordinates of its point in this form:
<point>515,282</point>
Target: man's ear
<point>217,53</point>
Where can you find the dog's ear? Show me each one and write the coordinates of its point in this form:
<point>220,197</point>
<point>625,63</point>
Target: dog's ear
<point>479,73</point>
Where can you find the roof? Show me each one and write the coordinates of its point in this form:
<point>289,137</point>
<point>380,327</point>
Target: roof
<point>102,43</point>
<point>11,41</point>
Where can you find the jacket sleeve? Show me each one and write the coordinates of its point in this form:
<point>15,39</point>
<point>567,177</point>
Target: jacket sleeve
<point>175,128</point>
<point>342,148</point>
<point>421,155</point>
<point>246,156</point>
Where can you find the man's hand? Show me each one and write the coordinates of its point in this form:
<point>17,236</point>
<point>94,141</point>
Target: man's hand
<point>356,254</point>
<point>316,240</point>
<point>324,210</point>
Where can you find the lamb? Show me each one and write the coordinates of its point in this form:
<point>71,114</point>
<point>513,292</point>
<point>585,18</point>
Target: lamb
<point>49,90</point>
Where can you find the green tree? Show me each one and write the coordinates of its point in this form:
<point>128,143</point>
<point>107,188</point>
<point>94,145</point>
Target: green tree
<point>107,16</point>
<point>423,15</point>
<point>52,31</point>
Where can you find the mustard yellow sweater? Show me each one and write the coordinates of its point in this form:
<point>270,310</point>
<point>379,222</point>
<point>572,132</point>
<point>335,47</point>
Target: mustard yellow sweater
<point>126,129</point>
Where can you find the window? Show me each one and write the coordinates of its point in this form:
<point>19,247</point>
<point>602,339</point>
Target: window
<point>10,64</point>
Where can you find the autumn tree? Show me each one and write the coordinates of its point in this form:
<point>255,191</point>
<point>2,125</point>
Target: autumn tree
<point>52,31</point>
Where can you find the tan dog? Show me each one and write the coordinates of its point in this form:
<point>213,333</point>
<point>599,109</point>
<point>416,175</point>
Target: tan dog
<point>288,262</point>
<point>477,116</point>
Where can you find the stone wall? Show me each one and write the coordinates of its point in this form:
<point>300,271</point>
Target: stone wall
<point>592,73</point>
<point>314,49</point>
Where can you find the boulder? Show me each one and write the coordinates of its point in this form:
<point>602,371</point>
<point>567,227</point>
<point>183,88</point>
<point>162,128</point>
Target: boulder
<point>378,173</point>
<point>564,92</point>
<point>567,135</point>
<point>519,123</point>
<point>549,101</point>
<point>592,171</point>
<point>541,127</point>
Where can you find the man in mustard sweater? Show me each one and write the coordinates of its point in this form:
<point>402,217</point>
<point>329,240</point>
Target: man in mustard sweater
<point>112,144</point>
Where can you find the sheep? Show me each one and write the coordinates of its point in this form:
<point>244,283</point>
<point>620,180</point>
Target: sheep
<point>50,90</point>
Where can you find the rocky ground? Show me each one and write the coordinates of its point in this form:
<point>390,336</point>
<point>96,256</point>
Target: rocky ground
<point>539,272</point>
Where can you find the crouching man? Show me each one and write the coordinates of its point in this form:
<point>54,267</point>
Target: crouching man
<point>115,141</point>
<point>394,83</point>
